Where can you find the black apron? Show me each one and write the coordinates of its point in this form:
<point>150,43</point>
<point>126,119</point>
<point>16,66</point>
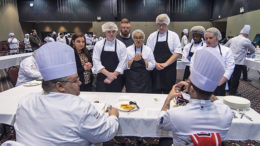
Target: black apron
<point>110,61</point>
<point>138,79</point>
<point>220,90</point>
<point>187,68</point>
<point>163,79</point>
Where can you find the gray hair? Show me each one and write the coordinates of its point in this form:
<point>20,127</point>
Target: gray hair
<point>109,26</point>
<point>50,85</point>
<point>136,31</point>
<point>215,32</point>
<point>163,18</point>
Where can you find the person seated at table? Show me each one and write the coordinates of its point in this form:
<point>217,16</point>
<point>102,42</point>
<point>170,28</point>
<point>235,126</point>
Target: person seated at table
<point>58,116</point>
<point>200,114</point>
<point>109,59</point>
<point>240,46</point>
<point>140,61</point>
<point>83,61</point>
<point>28,70</point>
<point>13,44</point>
<point>197,33</point>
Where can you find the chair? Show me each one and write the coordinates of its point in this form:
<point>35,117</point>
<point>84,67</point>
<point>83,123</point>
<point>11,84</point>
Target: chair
<point>12,143</point>
<point>13,74</point>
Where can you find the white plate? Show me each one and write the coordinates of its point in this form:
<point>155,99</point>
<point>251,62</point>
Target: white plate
<point>34,83</point>
<point>236,102</point>
<point>124,101</point>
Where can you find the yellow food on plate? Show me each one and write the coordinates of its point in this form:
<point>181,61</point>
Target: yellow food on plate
<point>127,106</point>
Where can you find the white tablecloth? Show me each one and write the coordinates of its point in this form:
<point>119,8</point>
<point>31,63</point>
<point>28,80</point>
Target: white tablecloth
<point>12,60</point>
<point>251,63</point>
<point>141,123</point>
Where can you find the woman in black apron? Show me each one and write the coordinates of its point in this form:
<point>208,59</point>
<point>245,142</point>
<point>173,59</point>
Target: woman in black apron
<point>164,75</point>
<point>140,61</point>
<point>212,37</point>
<point>109,59</point>
<point>197,33</point>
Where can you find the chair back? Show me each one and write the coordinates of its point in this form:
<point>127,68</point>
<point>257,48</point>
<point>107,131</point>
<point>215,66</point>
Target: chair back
<point>13,74</point>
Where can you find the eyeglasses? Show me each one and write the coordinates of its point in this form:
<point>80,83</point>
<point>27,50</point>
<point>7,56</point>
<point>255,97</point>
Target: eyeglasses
<point>139,38</point>
<point>161,25</point>
<point>73,81</point>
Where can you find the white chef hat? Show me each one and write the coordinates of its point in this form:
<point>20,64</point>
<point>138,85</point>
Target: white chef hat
<point>185,30</point>
<point>109,26</point>
<point>55,60</point>
<point>207,69</point>
<point>163,18</point>
<point>197,29</point>
<point>26,34</point>
<point>136,31</point>
<point>215,31</point>
<point>11,34</point>
<point>245,29</point>
<point>54,32</point>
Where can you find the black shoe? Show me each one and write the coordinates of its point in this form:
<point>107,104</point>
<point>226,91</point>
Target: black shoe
<point>247,80</point>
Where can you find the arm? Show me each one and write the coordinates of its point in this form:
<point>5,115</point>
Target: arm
<point>150,61</point>
<point>250,47</point>
<point>172,59</point>
<point>122,56</point>
<point>30,68</point>
<point>96,57</point>
<point>229,64</point>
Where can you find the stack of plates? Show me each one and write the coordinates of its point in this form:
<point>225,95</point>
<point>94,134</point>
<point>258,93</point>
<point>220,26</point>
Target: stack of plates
<point>236,102</point>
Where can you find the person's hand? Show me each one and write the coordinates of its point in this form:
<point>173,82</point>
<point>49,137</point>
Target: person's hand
<point>107,81</point>
<point>113,111</point>
<point>158,66</point>
<point>111,76</point>
<point>87,66</point>
<point>182,84</point>
<point>138,57</point>
<point>163,65</point>
<point>174,92</point>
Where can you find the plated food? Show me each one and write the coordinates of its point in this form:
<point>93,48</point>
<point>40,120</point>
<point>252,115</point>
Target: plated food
<point>127,105</point>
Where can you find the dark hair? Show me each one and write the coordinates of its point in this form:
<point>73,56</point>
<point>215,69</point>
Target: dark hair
<point>50,85</point>
<point>74,37</point>
<point>203,94</point>
<point>125,20</point>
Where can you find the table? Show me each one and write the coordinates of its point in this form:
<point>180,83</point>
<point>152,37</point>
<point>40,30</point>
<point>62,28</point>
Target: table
<point>253,64</point>
<point>12,60</point>
<point>141,123</point>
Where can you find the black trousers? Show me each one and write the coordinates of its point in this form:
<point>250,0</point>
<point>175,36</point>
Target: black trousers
<point>234,80</point>
<point>244,71</point>
<point>220,90</point>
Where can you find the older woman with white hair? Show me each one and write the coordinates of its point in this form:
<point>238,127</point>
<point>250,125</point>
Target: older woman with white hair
<point>197,33</point>
<point>27,44</point>
<point>212,37</point>
<point>109,59</point>
<point>13,44</point>
<point>166,47</point>
<point>140,60</point>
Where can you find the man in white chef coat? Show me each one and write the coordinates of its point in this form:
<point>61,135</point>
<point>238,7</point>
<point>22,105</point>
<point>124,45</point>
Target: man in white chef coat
<point>58,116</point>
<point>200,114</point>
<point>240,46</point>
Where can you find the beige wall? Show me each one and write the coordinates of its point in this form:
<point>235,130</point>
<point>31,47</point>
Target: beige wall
<point>9,22</point>
<point>149,27</point>
<point>236,23</point>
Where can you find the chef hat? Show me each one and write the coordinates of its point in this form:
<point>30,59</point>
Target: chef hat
<point>215,31</point>
<point>163,18</point>
<point>54,33</point>
<point>109,26</point>
<point>245,29</point>
<point>26,34</point>
<point>11,34</point>
<point>185,31</point>
<point>207,69</point>
<point>136,31</point>
<point>197,29</point>
<point>55,60</point>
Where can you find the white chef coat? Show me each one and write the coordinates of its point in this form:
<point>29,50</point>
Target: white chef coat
<point>147,55</point>
<point>184,41</point>
<point>173,41</point>
<point>28,71</point>
<point>13,45</point>
<point>195,117</point>
<point>27,44</point>
<point>49,39</point>
<point>89,40</point>
<point>239,46</point>
<point>228,58</point>
<point>62,40</point>
<point>110,46</point>
<point>57,119</point>
<point>188,48</point>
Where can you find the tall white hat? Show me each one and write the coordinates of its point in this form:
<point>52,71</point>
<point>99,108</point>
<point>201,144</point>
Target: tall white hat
<point>245,29</point>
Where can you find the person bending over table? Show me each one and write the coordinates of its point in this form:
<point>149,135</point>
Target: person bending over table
<point>83,61</point>
<point>109,59</point>
<point>200,114</point>
<point>58,116</point>
<point>140,61</point>
<point>166,47</point>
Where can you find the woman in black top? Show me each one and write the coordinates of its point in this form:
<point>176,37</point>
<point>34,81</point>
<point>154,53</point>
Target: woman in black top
<point>83,61</point>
